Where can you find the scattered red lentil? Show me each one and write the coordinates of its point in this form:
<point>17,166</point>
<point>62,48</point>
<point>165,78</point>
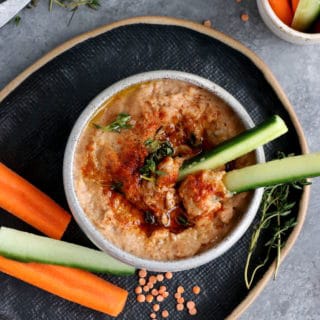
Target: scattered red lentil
<point>165,314</point>
<point>168,275</point>
<point>193,311</point>
<point>162,293</point>
<point>160,298</point>
<point>160,277</point>
<point>162,289</point>
<point>244,17</point>
<point>207,23</point>
<point>142,273</point>
<point>177,295</point>
<point>156,307</point>
<point>196,289</point>
<point>180,300</point>
<point>180,306</point>
<point>138,290</point>
<point>154,292</point>
<point>190,305</point>
<point>180,289</point>
<point>141,298</point>
<point>153,279</point>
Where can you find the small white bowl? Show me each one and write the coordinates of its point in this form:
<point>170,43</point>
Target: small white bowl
<point>89,228</point>
<point>282,30</point>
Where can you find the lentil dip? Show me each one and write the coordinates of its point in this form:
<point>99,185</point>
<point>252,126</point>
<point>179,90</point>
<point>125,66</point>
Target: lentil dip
<point>127,163</point>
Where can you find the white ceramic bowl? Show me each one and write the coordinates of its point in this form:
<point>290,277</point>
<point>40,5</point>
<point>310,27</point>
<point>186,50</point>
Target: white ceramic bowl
<point>282,30</point>
<point>88,227</point>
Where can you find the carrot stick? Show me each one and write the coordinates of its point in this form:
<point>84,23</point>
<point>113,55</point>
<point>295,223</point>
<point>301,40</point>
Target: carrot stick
<point>294,4</point>
<point>282,9</point>
<point>28,203</point>
<point>72,284</point>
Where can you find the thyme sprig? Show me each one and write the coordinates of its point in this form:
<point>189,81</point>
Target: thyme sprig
<point>16,20</point>
<point>157,152</point>
<point>274,207</point>
<point>71,5</point>
<point>75,4</point>
<point>152,145</point>
<point>121,122</point>
<point>149,168</point>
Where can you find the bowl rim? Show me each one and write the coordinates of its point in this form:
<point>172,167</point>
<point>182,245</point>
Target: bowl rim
<point>265,4</point>
<point>92,231</point>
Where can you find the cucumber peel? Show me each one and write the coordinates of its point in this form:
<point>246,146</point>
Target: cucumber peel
<point>238,146</point>
<point>273,172</point>
<point>28,247</point>
<point>306,13</point>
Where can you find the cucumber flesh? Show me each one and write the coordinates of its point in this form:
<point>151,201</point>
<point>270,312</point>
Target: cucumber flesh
<point>270,173</point>
<point>306,13</point>
<point>28,247</point>
<point>235,147</point>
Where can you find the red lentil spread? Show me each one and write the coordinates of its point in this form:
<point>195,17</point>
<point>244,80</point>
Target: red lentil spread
<point>127,164</point>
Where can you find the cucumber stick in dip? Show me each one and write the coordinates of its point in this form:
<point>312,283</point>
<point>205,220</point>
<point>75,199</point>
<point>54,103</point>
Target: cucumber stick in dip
<point>273,172</point>
<point>306,13</point>
<point>235,147</point>
<point>28,247</point>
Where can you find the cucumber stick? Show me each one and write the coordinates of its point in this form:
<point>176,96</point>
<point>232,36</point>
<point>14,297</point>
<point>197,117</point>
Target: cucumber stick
<point>235,147</point>
<point>306,13</point>
<point>28,247</point>
<point>277,171</point>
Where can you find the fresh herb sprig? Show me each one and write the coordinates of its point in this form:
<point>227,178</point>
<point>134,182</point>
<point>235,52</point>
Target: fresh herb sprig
<point>121,122</point>
<point>71,5</point>
<point>160,150</point>
<point>152,145</point>
<point>75,4</point>
<point>275,205</point>
<point>157,151</point>
<point>16,20</point>
<point>149,168</point>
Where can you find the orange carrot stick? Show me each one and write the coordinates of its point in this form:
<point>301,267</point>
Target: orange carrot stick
<point>282,9</point>
<point>28,203</point>
<point>294,4</point>
<point>72,284</point>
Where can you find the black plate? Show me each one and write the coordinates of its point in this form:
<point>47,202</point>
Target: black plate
<point>37,116</point>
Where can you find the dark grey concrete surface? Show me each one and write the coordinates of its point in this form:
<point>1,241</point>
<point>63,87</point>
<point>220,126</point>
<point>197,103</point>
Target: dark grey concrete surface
<point>295,294</point>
